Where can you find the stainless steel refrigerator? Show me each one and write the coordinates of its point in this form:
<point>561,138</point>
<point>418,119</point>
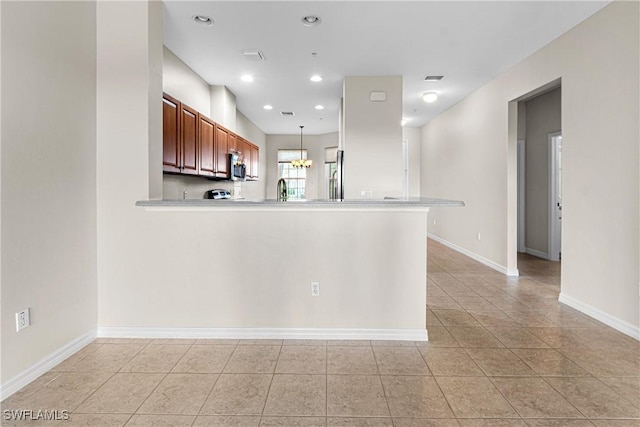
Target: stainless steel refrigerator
<point>339,176</point>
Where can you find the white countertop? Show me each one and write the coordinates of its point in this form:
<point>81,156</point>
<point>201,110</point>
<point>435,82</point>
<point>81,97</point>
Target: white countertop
<point>272,204</point>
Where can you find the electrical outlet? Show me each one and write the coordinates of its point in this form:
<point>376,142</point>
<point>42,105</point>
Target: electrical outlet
<point>22,319</point>
<point>479,237</point>
<point>315,289</point>
<point>366,194</point>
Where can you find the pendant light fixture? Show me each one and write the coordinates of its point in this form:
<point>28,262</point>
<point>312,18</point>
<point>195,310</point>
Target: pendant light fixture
<point>302,163</point>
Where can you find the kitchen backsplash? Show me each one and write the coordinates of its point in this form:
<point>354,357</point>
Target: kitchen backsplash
<point>174,186</point>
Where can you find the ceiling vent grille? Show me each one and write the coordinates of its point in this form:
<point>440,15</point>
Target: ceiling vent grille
<point>433,78</point>
<point>287,113</point>
<point>253,55</point>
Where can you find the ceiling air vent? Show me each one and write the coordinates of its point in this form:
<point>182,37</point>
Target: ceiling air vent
<point>253,55</point>
<point>287,113</point>
<point>433,78</point>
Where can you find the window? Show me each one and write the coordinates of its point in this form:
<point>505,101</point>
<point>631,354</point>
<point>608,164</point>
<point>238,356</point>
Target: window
<point>294,177</point>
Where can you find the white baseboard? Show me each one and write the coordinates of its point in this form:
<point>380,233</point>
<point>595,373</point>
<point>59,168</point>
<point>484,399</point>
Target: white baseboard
<point>45,364</point>
<point>609,320</point>
<point>536,253</point>
<point>265,333</point>
<point>473,255</point>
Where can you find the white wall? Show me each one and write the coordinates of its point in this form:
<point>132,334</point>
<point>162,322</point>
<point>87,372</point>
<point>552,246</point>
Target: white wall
<point>48,175</point>
<point>372,137</point>
<point>543,116</point>
<point>469,154</point>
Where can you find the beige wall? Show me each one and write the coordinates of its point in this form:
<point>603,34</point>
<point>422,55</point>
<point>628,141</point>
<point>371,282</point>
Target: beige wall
<point>372,137</point>
<point>543,116</point>
<point>48,175</point>
<point>469,154</point>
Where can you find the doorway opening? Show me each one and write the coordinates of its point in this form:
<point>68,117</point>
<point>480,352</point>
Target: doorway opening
<point>538,174</point>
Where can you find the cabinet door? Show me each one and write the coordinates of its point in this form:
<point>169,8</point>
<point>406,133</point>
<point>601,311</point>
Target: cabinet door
<point>245,154</point>
<point>207,147</point>
<point>189,123</point>
<point>233,142</point>
<point>255,161</point>
<point>222,151</point>
<point>171,153</point>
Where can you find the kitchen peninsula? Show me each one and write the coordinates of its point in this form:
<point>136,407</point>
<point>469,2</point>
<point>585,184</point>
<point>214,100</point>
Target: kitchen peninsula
<point>368,256</point>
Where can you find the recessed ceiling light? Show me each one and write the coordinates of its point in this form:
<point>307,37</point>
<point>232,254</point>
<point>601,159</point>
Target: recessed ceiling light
<point>319,107</point>
<point>429,97</point>
<point>203,20</point>
<point>268,107</point>
<point>403,122</point>
<point>316,78</point>
<point>247,78</point>
<point>310,20</point>
<point>433,78</point>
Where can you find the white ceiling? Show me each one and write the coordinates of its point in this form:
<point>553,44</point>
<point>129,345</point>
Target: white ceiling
<point>469,42</point>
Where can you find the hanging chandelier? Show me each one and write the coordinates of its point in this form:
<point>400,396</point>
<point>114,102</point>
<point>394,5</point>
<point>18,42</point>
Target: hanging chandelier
<point>302,163</point>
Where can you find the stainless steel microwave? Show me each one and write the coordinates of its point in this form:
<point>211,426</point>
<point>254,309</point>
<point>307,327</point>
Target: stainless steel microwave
<point>237,170</point>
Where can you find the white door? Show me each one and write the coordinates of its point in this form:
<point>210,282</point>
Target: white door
<point>555,196</point>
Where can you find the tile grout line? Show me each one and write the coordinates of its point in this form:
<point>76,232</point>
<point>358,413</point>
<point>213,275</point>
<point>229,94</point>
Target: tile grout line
<point>113,374</point>
<point>216,381</point>
<point>163,378</point>
<point>273,374</point>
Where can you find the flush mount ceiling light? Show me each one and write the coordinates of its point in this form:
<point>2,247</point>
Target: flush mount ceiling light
<point>302,163</point>
<point>203,20</point>
<point>429,97</point>
<point>310,20</point>
<point>247,78</point>
<point>319,107</point>
<point>268,107</point>
<point>316,78</point>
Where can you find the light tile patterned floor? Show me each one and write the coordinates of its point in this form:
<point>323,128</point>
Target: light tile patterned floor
<point>502,352</point>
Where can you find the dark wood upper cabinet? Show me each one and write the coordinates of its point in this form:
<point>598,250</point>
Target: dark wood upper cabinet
<point>222,152</point>
<point>189,133</point>
<point>255,161</point>
<point>233,142</point>
<point>207,147</point>
<point>171,154</point>
<point>243,150</point>
<point>194,144</point>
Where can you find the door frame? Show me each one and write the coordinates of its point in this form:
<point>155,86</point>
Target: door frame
<point>555,224</point>
<point>521,195</point>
